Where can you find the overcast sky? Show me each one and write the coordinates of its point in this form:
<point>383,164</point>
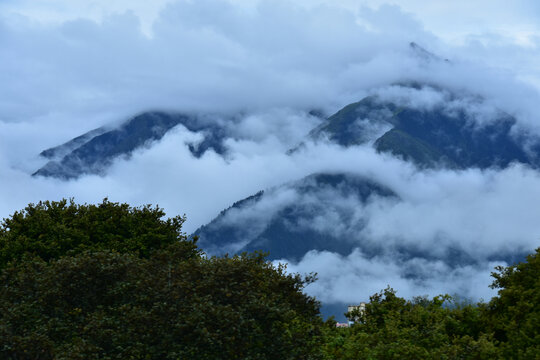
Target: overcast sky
<point>68,66</point>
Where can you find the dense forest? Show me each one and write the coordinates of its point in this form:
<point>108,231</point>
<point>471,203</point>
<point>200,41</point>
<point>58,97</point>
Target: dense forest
<point>111,281</point>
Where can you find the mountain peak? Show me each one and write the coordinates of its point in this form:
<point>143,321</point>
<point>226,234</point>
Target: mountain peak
<point>93,152</point>
<point>424,54</point>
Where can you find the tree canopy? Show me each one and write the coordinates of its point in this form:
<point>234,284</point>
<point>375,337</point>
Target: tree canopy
<point>52,229</point>
<point>103,305</point>
<point>514,315</point>
<point>445,328</point>
<point>110,281</point>
<point>392,327</point>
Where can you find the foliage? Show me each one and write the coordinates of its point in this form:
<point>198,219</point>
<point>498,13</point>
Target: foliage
<point>52,229</point>
<point>104,305</point>
<point>514,315</point>
<point>394,328</point>
<point>442,328</point>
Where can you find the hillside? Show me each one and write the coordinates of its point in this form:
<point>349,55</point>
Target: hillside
<point>93,152</point>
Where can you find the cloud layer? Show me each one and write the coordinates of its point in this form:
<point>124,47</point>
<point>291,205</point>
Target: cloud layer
<point>70,66</point>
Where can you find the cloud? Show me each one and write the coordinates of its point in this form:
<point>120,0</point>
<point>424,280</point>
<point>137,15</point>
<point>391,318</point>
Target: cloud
<point>205,55</point>
<point>354,278</point>
<point>71,66</point>
<point>483,213</point>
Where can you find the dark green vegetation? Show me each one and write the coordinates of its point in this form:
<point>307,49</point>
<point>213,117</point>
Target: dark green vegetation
<point>394,328</point>
<point>105,305</point>
<point>108,299</point>
<point>50,230</point>
<point>112,300</point>
<point>514,315</point>
<point>441,328</point>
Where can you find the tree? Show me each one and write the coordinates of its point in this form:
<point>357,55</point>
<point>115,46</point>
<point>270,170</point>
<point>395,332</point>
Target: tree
<point>395,328</point>
<point>109,281</point>
<point>514,315</point>
<point>52,229</point>
<point>105,305</point>
<point>392,327</point>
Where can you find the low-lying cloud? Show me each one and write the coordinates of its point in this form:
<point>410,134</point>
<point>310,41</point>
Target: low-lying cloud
<point>355,277</point>
<point>267,64</point>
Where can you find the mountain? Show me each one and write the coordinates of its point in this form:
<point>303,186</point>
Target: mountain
<point>439,136</point>
<point>330,212</point>
<point>292,219</point>
<point>423,124</point>
<point>445,134</point>
<point>446,130</point>
<point>321,212</point>
<point>423,55</point>
<point>93,152</point>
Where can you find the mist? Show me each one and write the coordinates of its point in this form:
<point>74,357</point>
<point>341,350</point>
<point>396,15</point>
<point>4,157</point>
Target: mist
<point>69,67</point>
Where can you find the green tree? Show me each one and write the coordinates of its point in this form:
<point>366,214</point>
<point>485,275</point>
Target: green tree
<point>105,305</point>
<point>52,229</point>
<point>443,328</point>
<point>514,315</point>
<point>395,328</point>
<point>110,281</point>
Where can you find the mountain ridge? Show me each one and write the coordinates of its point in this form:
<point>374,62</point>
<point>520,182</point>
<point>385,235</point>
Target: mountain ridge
<point>93,152</point>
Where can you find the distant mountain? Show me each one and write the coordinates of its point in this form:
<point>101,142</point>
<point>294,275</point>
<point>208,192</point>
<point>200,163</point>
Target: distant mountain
<point>322,212</point>
<point>58,152</point>
<point>327,212</point>
<point>420,123</point>
<point>452,132</point>
<point>292,219</point>
<point>424,55</point>
<point>455,131</point>
<point>435,137</point>
<point>94,151</point>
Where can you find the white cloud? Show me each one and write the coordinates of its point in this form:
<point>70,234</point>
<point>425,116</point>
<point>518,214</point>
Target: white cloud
<point>70,66</point>
<point>354,278</point>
